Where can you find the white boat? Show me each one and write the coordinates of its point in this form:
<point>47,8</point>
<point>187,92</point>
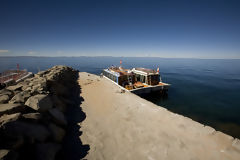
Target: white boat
<point>136,80</point>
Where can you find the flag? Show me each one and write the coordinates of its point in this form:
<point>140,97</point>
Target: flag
<point>120,61</point>
<point>158,69</point>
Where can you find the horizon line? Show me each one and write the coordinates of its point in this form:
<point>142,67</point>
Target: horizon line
<point>122,57</point>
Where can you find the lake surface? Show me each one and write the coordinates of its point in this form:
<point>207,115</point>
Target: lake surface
<point>205,90</point>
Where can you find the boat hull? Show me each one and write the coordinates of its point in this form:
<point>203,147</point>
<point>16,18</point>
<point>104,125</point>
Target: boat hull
<point>147,90</point>
<point>163,88</point>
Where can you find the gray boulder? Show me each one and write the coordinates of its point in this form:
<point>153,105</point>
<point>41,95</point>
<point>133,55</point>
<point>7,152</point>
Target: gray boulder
<point>20,97</point>
<point>32,116</point>
<point>8,155</point>
<point>68,102</point>
<point>39,88</point>
<point>15,87</point>
<point>11,108</point>
<point>27,85</point>
<point>58,117</point>
<point>57,132</point>
<point>40,74</point>
<point>4,98</point>
<point>40,102</point>
<point>37,81</point>
<point>27,88</point>
<point>47,151</point>
<point>16,92</point>
<point>6,92</point>
<point>3,153</point>
<point>9,140</point>
<point>31,131</point>
<point>6,118</point>
<point>58,103</point>
<point>5,95</point>
<point>58,89</point>
<point>24,85</point>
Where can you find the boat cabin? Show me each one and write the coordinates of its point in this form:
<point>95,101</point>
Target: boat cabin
<point>120,75</point>
<point>147,76</point>
<point>136,76</point>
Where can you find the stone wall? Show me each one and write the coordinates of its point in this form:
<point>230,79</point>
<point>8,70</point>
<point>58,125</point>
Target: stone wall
<point>32,120</point>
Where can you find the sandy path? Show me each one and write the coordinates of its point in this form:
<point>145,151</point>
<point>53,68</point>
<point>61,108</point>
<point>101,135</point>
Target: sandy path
<point>124,126</point>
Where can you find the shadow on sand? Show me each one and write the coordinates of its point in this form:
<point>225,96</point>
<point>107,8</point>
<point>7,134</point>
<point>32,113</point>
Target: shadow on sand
<point>73,149</point>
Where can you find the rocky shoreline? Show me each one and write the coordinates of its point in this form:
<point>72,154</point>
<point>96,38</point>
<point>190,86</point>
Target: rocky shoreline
<point>32,115</point>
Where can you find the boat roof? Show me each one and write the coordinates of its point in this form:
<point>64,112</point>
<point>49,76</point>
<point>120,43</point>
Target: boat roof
<point>121,70</point>
<point>145,71</point>
<point>118,71</point>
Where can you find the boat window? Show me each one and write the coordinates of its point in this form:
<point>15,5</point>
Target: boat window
<point>138,77</point>
<point>142,79</point>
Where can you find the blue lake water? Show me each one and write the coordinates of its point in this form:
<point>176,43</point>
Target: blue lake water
<point>205,90</point>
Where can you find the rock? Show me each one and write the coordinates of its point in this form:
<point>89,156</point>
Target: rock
<point>4,98</point>
<point>25,87</point>
<point>39,88</point>
<point>32,116</point>
<point>15,87</point>
<point>58,116</point>
<point>236,143</point>
<point>2,85</point>
<point>39,102</point>
<point>41,73</point>
<point>58,89</point>
<point>47,151</point>
<point>31,131</point>
<point>6,92</point>
<point>20,97</point>
<point>16,92</point>
<point>5,95</point>
<point>58,103</point>
<point>9,118</point>
<point>11,141</point>
<point>68,102</point>
<point>11,108</point>
<point>57,132</point>
<point>31,83</point>
<point>8,155</point>
<point>38,81</point>
<point>3,153</point>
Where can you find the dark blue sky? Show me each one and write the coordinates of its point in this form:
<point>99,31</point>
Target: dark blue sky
<point>180,28</point>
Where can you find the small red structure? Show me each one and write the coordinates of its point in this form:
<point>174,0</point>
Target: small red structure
<point>12,75</point>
